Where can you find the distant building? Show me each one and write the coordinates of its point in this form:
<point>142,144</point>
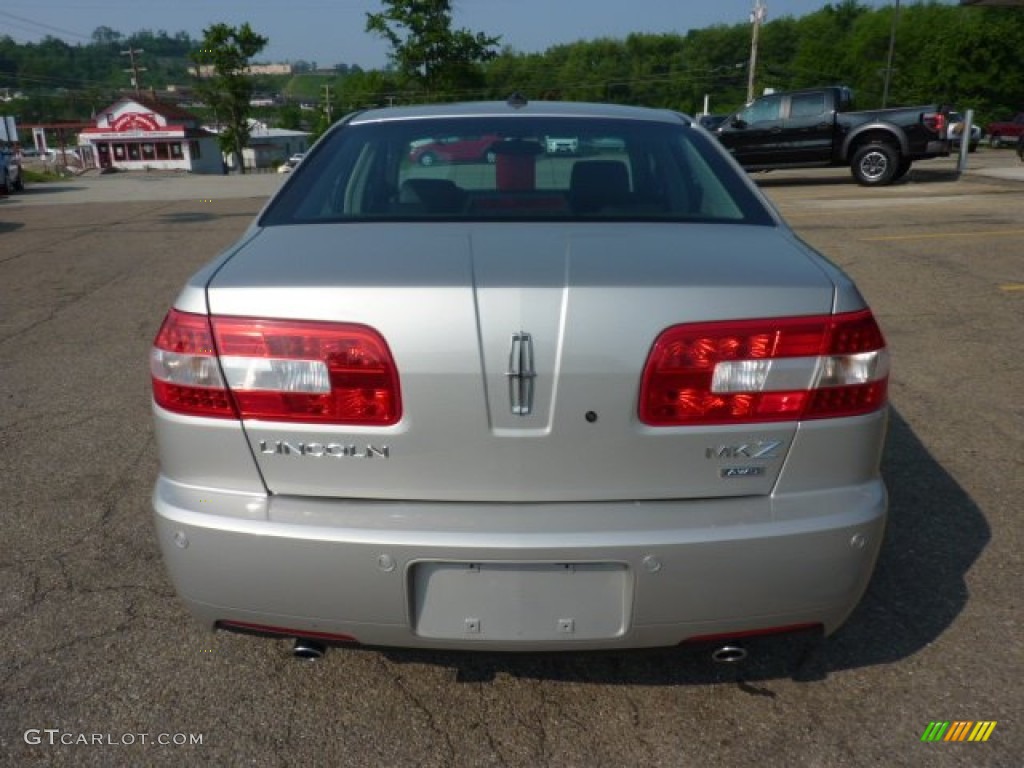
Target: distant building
<point>268,147</point>
<point>205,70</point>
<point>141,133</point>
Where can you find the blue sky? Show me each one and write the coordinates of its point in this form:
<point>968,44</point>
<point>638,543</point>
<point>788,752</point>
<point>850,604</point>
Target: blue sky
<point>332,31</point>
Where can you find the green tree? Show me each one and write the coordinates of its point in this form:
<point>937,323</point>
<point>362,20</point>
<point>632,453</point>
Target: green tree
<point>105,36</point>
<point>427,52</point>
<point>227,89</point>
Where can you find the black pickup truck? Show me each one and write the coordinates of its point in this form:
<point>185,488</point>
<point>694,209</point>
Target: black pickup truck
<point>817,128</point>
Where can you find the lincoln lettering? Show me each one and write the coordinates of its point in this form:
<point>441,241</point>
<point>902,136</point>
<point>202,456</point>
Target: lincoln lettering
<point>321,450</point>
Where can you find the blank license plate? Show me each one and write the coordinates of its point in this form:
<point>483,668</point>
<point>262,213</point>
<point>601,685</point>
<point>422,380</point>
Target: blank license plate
<point>521,601</point>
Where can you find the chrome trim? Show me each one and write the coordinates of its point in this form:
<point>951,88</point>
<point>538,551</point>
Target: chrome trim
<point>521,374</point>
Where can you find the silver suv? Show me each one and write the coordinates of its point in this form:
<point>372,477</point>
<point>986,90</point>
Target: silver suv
<point>525,402</point>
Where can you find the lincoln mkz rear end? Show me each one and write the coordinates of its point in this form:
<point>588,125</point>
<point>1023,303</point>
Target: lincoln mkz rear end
<point>534,402</point>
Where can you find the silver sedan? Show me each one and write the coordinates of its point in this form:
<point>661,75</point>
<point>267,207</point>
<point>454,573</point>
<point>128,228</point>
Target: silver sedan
<point>528,401</point>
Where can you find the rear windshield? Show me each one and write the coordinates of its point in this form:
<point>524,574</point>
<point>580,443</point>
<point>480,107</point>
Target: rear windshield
<point>525,169</point>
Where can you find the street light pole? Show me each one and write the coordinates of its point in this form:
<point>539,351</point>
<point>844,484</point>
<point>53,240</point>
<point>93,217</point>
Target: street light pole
<point>892,48</point>
<point>756,18</point>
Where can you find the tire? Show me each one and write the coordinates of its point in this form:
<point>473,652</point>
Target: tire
<point>19,185</point>
<point>875,165</point>
<point>427,159</point>
<point>902,169</point>
<point>491,157</point>
<point>995,141</point>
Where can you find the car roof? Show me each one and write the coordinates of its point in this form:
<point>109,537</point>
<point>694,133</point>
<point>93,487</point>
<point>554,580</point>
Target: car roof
<point>522,108</point>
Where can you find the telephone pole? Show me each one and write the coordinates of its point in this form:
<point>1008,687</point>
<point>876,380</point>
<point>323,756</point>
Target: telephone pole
<point>756,18</point>
<point>892,48</point>
<point>327,104</point>
<point>135,68</point>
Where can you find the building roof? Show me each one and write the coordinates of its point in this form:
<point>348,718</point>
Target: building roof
<point>171,112</point>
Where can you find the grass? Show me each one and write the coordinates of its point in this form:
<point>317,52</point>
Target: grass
<point>39,177</point>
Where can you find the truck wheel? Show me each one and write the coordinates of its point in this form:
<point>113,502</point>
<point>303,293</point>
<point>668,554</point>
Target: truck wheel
<point>995,141</point>
<point>875,165</point>
<point>902,169</point>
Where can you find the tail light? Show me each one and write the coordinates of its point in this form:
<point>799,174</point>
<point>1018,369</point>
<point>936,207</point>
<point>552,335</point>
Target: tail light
<point>936,121</point>
<point>778,369</point>
<point>274,370</point>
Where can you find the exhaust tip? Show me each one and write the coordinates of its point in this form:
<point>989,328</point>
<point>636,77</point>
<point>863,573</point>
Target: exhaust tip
<point>308,650</point>
<point>729,654</point>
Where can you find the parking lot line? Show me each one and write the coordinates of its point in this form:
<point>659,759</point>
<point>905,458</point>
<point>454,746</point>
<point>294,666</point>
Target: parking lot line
<point>943,235</point>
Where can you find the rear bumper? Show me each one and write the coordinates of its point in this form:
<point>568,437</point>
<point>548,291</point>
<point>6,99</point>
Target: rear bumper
<point>520,576</point>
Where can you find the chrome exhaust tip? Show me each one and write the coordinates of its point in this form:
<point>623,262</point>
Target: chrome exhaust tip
<point>308,650</point>
<point>729,654</point>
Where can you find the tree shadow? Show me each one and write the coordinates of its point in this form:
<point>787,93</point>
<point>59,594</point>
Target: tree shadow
<point>48,188</point>
<point>187,217</point>
<point>935,533</point>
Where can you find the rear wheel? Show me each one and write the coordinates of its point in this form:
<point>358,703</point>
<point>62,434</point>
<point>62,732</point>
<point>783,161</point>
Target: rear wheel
<point>995,141</point>
<point>875,165</point>
<point>428,158</point>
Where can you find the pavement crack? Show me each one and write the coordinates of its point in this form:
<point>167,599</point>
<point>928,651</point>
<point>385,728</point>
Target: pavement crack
<point>428,713</point>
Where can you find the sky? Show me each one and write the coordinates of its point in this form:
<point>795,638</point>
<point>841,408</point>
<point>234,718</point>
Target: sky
<point>331,32</point>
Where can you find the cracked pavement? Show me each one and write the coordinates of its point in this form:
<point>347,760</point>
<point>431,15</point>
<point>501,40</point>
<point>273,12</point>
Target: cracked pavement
<point>95,643</point>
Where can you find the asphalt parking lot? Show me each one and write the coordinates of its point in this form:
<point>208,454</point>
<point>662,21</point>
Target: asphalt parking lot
<point>101,666</point>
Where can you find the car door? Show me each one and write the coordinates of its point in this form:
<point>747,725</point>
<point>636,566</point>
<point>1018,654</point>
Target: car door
<point>808,129</point>
<point>754,134</point>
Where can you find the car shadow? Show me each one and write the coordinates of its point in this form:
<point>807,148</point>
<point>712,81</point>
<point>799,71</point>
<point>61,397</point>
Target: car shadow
<point>769,179</point>
<point>10,226</point>
<point>935,533</point>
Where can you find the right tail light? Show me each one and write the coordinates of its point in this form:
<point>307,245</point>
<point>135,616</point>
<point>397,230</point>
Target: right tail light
<point>776,369</point>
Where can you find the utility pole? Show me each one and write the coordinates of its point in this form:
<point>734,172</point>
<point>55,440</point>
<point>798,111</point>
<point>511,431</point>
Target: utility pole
<point>892,48</point>
<point>756,18</point>
<point>135,68</point>
<point>327,104</point>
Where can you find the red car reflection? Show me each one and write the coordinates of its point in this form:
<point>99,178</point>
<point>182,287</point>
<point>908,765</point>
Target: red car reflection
<point>456,149</point>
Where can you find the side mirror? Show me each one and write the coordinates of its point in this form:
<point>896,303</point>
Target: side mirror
<point>738,122</point>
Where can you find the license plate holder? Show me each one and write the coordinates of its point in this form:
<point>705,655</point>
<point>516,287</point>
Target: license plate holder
<point>520,602</point>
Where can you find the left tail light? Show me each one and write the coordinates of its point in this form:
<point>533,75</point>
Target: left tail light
<point>274,370</point>
<point>936,122</point>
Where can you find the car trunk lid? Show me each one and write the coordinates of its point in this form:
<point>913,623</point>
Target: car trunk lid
<point>520,351</point>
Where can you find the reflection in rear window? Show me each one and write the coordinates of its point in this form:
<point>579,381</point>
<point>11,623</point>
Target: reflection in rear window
<point>527,169</point>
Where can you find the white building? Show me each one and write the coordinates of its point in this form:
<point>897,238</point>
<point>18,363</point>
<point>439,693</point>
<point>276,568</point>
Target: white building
<point>268,147</point>
<point>139,133</point>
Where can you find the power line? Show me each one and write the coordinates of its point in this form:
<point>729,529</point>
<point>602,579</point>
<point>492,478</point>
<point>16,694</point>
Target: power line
<point>45,26</point>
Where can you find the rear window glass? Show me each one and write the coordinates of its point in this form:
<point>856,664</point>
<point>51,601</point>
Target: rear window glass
<point>529,169</point>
